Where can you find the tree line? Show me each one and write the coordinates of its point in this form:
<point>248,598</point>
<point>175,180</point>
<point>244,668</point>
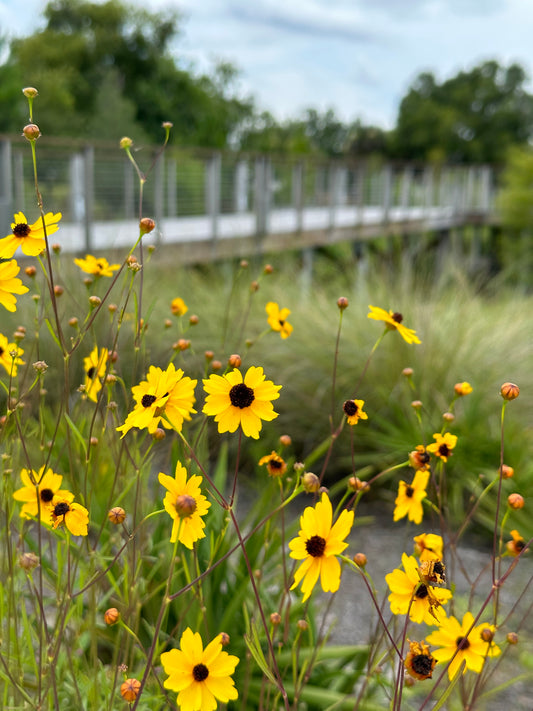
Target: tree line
<point>107,70</point>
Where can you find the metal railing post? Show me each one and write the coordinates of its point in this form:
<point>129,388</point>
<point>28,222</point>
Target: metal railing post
<point>213,186</point>
<point>172,187</point>
<point>387,192</point>
<point>297,193</point>
<point>262,197</point>
<point>88,179</point>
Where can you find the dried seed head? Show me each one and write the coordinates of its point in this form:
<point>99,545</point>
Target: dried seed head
<point>28,561</point>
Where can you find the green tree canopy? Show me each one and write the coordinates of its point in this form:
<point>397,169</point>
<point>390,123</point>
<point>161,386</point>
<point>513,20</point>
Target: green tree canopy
<point>106,70</point>
<point>475,116</point>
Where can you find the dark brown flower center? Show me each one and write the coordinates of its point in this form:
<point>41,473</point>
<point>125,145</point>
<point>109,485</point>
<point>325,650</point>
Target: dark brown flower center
<point>61,509</point>
<point>462,643</point>
<point>148,400</point>
<point>275,464</point>
<point>444,451</point>
<point>421,591</point>
<point>397,317</point>
<point>1,351</point>
<point>423,457</point>
<point>422,664</point>
<point>200,672</point>
<point>46,495</point>
<point>315,546</point>
<point>409,491</point>
<point>241,396</point>
<point>21,230</point>
<point>350,408</point>
<point>519,545</point>
<point>91,372</point>
<point>439,568</point>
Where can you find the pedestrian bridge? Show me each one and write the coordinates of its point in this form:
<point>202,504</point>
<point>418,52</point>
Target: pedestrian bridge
<point>213,204</point>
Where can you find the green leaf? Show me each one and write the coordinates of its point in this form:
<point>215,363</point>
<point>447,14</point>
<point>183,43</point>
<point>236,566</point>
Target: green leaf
<point>76,433</point>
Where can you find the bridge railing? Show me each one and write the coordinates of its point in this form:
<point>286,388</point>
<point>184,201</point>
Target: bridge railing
<point>96,186</point>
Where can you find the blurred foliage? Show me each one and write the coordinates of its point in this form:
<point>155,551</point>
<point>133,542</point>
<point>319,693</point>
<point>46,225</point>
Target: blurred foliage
<point>475,116</point>
<point>514,198</point>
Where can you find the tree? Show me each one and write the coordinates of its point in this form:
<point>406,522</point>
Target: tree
<point>475,116</point>
<point>94,60</point>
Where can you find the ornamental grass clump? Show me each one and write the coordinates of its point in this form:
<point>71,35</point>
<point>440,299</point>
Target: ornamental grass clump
<point>166,543</point>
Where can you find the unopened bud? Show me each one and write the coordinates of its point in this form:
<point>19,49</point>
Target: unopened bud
<point>268,269</point>
<point>285,440</point>
<point>509,391</point>
<point>129,690</point>
<point>185,505</point>
<point>117,515</point>
<point>448,416</point>
<point>167,125</point>
<point>40,366</point>
<point>512,638</point>
<point>126,142</point>
<point>73,322</point>
<point>462,389</point>
<point>28,561</point>
<point>302,625</point>
<point>30,271</point>
<point>244,264</point>
<point>310,482</point>
<point>159,434</point>
<point>146,225</point>
<point>224,639</point>
<point>193,320</point>
<point>95,301</point>
<point>56,248</point>
<point>58,290</point>
<point>408,372</point>
<point>209,355</point>
<point>234,361</point>
<point>275,619</point>
<point>181,345</point>
<point>357,485</point>
<point>30,92</point>
<point>416,404</point>
<point>342,303</point>
<point>360,559</point>
<point>111,616</point>
<point>487,635</point>
<point>515,501</point>
<point>216,365</point>
<point>31,132</point>
<point>254,286</point>
<point>507,472</point>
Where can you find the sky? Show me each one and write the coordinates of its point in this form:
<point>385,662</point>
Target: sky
<point>358,57</point>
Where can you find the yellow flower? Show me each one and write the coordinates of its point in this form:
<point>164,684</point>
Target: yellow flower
<point>443,445</point>
<point>185,503</point>
<point>74,516</point>
<point>8,360</point>
<point>95,368</point>
<point>462,389</point>
<point>428,546</point>
<point>410,496</point>
<point>410,594</point>
<point>10,284</point>
<point>165,397</point>
<point>275,464</point>
<point>353,409</point>
<point>419,458</point>
<point>393,321</point>
<point>517,545</point>
<point>234,400</point>
<point>419,663</point>
<point>317,544</point>
<point>97,266</point>
<point>29,237</point>
<point>463,643</point>
<point>200,676</point>
<point>178,307</point>
<point>277,319</point>
<point>38,492</point>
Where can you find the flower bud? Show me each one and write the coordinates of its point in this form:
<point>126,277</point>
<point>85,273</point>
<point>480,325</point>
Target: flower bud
<point>244,264</point>
<point>515,501</point>
<point>159,434</point>
<point>302,625</point>
<point>209,355</point>
<point>28,561</point>
<point>360,559</point>
<point>462,389</point>
<point>73,322</point>
<point>275,619</point>
<point>512,638</point>
<point>268,269</point>
<point>193,320</point>
<point>216,365</point>
<point>224,639</point>
<point>129,690</point>
<point>30,271</point>
<point>285,440</point>
<point>356,484</point>
<point>56,248</point>
<point>167,125</point>
<point>58,290</point>
<point>146,225</point>
<point>95,301</point>
<point>40,366</point>
<point>126,142</point>
<point>310,482</point>
<point>342,303</point>
<point>234,361</point>
<point>254,286</point>
<point>448,416</point>
<point>185,505</point>
<point>31,132</point>
<point>181,345</point>
<point>408,372</point>
<point>506,471</point>
<point>416,404</point>
<point>487,635</point>
<point>112,308</point>
<point>30,92</point>
<point>111,616</point>
<point>509,391</point>
<point>116,515</point>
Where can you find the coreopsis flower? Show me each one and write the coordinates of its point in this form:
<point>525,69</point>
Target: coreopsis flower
<point>10,284</point>
<point>185,504</point>
<point>428,546</point>
<point>29,237</point>
<point>165,397</point>
<point>462,389</point>
<point>419,458</point>
<point>463,643</point>
<point>95,368</point>
<point>317,545</point>
<point>10,355</point>
<point>276,465</point>
<point>353,409</point>
<point>409,593</point>
<point>277,319</point>
<point>178,307</point>
<point>98,266</point>
<point>234,400</point>
<point>443,445</point>
<point>517,545</point>
<point>200,676</point>
<point>410,496</point>
<point>419,662</point>
<point>74,516</point>
<point>393,321</point>
<point>38,492</point>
